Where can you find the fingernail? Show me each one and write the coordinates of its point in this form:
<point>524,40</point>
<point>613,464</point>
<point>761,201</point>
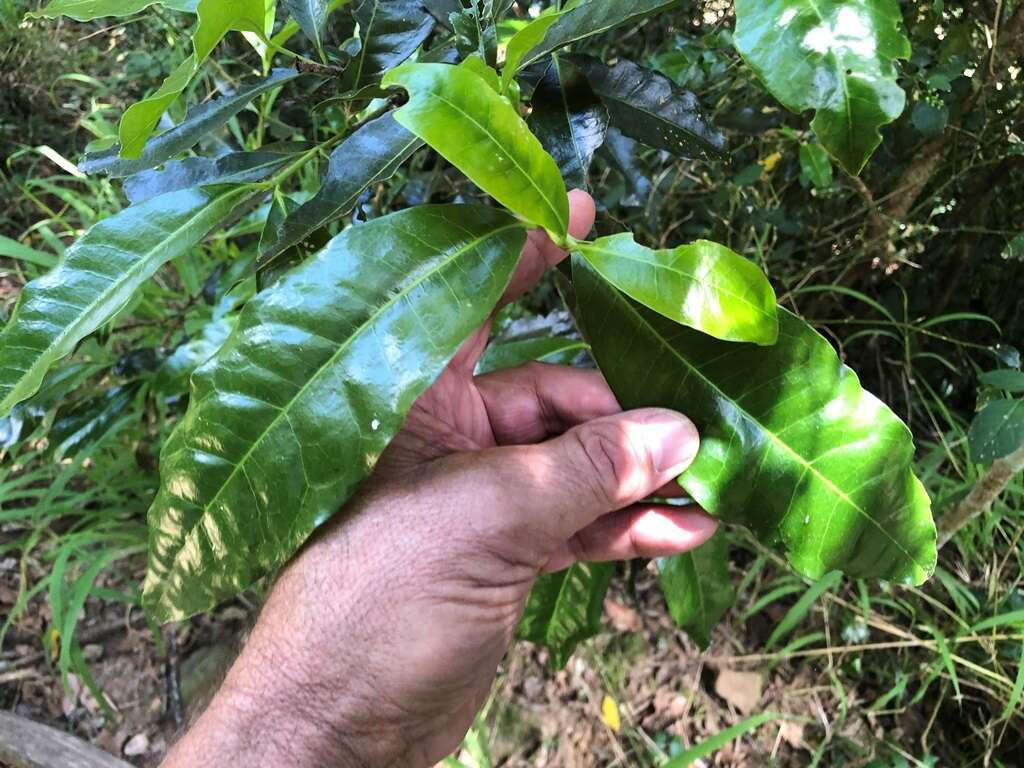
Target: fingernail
<point>673,442</point>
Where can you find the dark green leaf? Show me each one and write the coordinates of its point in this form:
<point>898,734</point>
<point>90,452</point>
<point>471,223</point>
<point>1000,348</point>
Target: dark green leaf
<point>594,18</point>
<point>570,121</point>
<point>233,168</point>
<point>565,609</point>
<point>833,56</point>
<point>200,121</point>
<point>703,285</point>
<point>647,106</point>
<point>281,208</point>
<point>997,431</point>
<point>929,118</point>
<point>791,446</point>
<point>311,16</point>
<point>390,32</point>
<point>99,275</point>
<point>697,587</point>
<point>371,154</point>
<point>1005,379</point>
<point>172,376</point>
<point>621,153</point>
<point>294,411</point>
<point>815,165</point>
<point>512,354</point>
<point>81,427</point>
<point>457,113</point>
<point>1015,248</point>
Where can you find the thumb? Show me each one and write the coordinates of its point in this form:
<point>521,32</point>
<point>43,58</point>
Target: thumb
<point>564,485</point>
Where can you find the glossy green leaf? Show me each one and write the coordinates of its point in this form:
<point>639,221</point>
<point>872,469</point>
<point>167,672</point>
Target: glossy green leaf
<point>565,608</point>
<point>521,43</point>
<point>647,106</point>
<point>216,19</point>
<point>703,285</point>
<point>512,354</point>
<point>622,154</point>
<point>815,166</point>
<point>836,57</point>
<point>311,16</point>
<point>791,446</point>
<point>570,121</point>
<point>294,411</point>
<point>232,168</point>
<point>1006,379</point>
<point>698,588</point>
<point>594,17</point>
<point>199,122</point>
<point>85,424</point>
<point>87,10</point>
<point>458,114</point>
<point>390,31</point>
<point>371,154</point>
<point>172,376</point>
<point>997,431</point>
<point>98,276</point>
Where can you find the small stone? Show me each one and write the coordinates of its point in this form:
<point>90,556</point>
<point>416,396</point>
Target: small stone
<point>92,652</point>
<point>136,746</point>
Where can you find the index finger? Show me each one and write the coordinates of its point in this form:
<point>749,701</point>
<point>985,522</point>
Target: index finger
<point>540,254</point>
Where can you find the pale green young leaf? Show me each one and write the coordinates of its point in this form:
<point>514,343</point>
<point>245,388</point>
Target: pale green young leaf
<point>521,43</point>
<point>87,10</point>
<point>457,113</point>
<point>703,285</point>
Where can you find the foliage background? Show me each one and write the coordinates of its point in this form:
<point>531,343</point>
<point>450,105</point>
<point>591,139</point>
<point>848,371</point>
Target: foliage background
<point>913,271</point>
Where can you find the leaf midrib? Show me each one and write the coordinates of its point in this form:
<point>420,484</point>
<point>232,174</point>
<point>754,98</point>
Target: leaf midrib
<point>285,410</point>
<point>678,271</point>
<point>44,356</point>
<point>501,147</point>
<point>808,466</point>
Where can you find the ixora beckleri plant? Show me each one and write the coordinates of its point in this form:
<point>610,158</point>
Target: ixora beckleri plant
<point>289,416</point>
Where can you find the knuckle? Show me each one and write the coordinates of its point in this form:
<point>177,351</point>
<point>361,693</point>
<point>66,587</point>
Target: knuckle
<point>611,465</point>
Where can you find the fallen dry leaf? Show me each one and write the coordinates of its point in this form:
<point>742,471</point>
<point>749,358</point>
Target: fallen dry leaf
<point>622,617</point>
<point>741,689</point>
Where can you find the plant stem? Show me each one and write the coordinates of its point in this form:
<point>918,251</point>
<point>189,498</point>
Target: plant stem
<point>979,501</point>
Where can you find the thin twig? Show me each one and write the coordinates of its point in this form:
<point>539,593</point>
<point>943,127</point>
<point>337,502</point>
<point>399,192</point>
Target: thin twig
<point>984,494</point>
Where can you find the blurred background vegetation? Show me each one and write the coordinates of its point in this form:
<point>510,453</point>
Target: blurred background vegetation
<point>915,271</point>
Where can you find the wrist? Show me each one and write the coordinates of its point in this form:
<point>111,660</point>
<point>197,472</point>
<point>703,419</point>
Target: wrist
<point>278,716</point>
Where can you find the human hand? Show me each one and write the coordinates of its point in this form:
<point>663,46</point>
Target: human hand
<point>380,641</point>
